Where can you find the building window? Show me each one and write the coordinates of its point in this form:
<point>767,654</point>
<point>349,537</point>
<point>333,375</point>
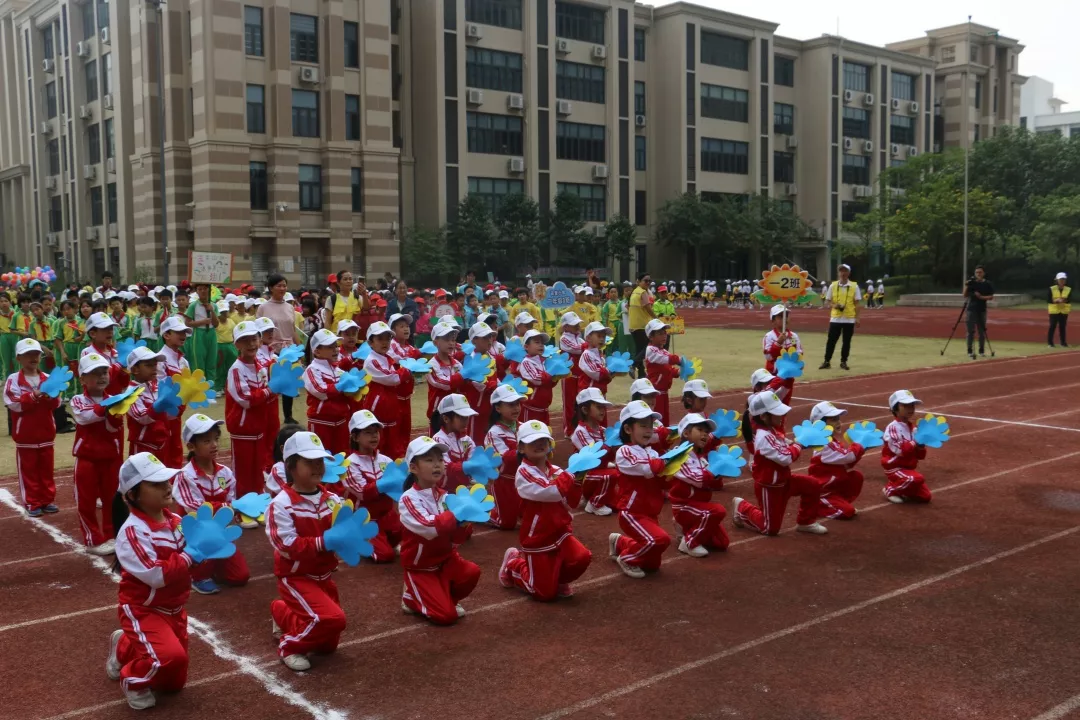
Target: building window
<point>577,141</point>
<point>856,77</point>
<point>86,10</point>
<point>304,38</point>
<point>257,178</point>
<point>352,117</point>
<point>97,206</point>
<point>494,134</point>
<point>724,103</point>
<point>495,190</point>
<point>91,81</point>
<point>110,202</point>
<point>783,71</point>
<point>786,206</point>
<point>253,31</point>
<point>502,13</point>
<point>903,130</point>
<point>783,119</point>
<point>102,13</point>
<point>725,156</point>
<point>110,139</point>
<point>783,167</point>
<point>851,210</point>
<point>576,81</point>
<point>856,169</point>
<point>106,74</point>
<point>639,44</point>
<point>357,190</point>
<point>593,200</point>
<point>578,22</point>
<point>640,208</point>
<point>50,100</point>
<point>352,45</point>
<point>311,187</point>
<point>53,149</point>
<point>639,97</point>
<point>639,152</point>
<point>725,51</point>
<point>903,86</point>
<point>93,144</point>
<point>256,109</point>
<point>305,113</point>
<point>492,70</point>
<point>56,214</point>
<point>47,43</point>
<point>856,123</point>
<point>978,94</point>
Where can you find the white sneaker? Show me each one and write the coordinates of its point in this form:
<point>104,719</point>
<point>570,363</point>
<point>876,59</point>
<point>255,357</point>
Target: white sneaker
<point>112,664</point>
<point>98,502</point>
<point>630,571</point>
<point>296,663</point>
<point>106,548</point>
<point>564,590</point>
<point>504,574</point>
<point>698,551</point>
<point>140,699</point>
<point>406,609</point>
<point>601,511</point>
<point>460,610</point>
<point>896,499</point>
<point>248,523</point>
<point>275,629</point>
<point>735,519</point>
<point>612,539</point>
<point>815,528</point>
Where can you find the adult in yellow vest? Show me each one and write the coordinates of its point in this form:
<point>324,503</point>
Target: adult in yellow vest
<point>344,302</point>
<point>1058,306</point>
<point>843,296</point>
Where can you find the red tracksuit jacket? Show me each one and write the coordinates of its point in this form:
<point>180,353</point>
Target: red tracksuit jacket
<point>97,433</point>
<point>641,487</point>
<point>145,424</point>
<point>326,404</point>
<point>360,484</point>
<point>461,449</point>
<point>533,372</point>
<point>693,482</point>
<point>773,456</point>
<point>193,487</point>
<point>295,524</point>
<point>245,399</point>
<point>661,366</point>
<point>547,494</point>
<point>391,387</point>
<point>429,531</point>
<point>504,440</point>
<point>835,453</point>
<point>900,451</point>
<point>32,417</point>
<point>594,372</point>
<point>155,570</point>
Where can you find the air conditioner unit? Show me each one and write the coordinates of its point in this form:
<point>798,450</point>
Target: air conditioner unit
<point>91,233</point>
<point>52,239</point>
<point>110,166</point>
<point>639,120</point>
<point>868,146</point>
<point>309,75</point>
<point>599,172</point>
<point>516,165</point>
<point>895,149</point>
<point>473,32</point>
<point>50,182</point>
<point>46,127</point>
<point>863,191</point>
<point>474,97</point>
<point>82,48</point>
<point>105,35</point>
<point>89,172</point>
<point>190,223</point>
<point>914,106</point>
<point>562,46</point>
<point>515,101</point>
<point>848,143</point>
<point>847,96</point>
<point>868,99</point>
<point>114,230</point>
<point>792,142</point>
<point>599,52</point>
<point>895,104</point>
<point>48,65</point>
<point>563,107</point>
<point>106,101</point>
<point>600,231</point>
<point>912,151</point>
<point>86,112</point>
<point>792,189</point>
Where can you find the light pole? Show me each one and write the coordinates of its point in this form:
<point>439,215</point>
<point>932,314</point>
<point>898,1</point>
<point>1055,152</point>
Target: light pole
<point>160,6</point>
<point>967,145</point>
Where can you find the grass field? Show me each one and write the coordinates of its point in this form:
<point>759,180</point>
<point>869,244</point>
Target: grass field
<point>727,362</point>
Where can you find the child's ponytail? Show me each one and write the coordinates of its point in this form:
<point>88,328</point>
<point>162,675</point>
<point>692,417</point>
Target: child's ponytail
<point>579,415</point>
<point>494,417</point>
<point>287,431</point>
<point>410,480</point>
<point>120,512</point>
<point>436,422</point>
<point>624,432</point>
<point>747,429</point>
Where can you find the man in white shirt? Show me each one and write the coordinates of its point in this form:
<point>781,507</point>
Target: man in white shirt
<point>844,296</point>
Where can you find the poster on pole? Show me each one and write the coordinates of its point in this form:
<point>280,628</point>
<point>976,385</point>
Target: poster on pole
<point>210,267</point>
<point>559,297</point>
<point>784,282</point>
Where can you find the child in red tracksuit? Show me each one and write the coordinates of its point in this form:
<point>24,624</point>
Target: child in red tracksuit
<point>780,338</point>
<point>33,428</point>
<point>437,578</point>
<point>478,394</point>
<point>100,328</point>
<point>642,487</point>
<point>149,653</point>
<point>97,454</point>
<point>834,466</point>
<point>502,435</point>
<point>391,391</point>
<point>265,358</point>
<point>551,557</point>
<point>360,483</point>
<point>774,483</point>
<point>328,408</point>
<point>531,368</point>
<point>642,389</point>
<point>275,479</point>
<point>307,617</point>
<point>697,518</point>
<point>246,398</point>
<point>148,429</point>
<point>349,332</point>
<point>449,427</point>
<point>592,365</point>
<point>900,454</point>
<point>445,376</point>
<point>204,481</point>
<point>661,366</point>
<point>571,343</point>
<point>600,487</point>
<point>399,350</point>
<point>174,333</point>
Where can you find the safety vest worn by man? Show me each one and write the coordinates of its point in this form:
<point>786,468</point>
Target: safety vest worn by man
<point>843,295</point>
<point>1062,308</point>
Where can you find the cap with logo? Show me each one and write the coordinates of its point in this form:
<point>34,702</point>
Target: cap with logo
<point>457,404</point>
<point>27,345</point>
<point>530,334</point>
<point>92,361</point>
<point>197,424</point>
<point>174,323</point>
<point>695,419</point>
<point>374,329</point>
<point>697,388</point>
<point>569,318</point>
<point>442,329</point>
<point>99,321</point>
<point>591,395</point>
<point>903,397</point>
<point>265,324</point>
<point>142,354</point>
<point>533,430</point>
<point>143,467</point>
<point>637,410</point>
<point>523,318</point>
<point>761,375</point>
<point>642,386</point>
<point>363,419</point>
<point>655,325</point>
<point>777,310</point>
<point>480,329</point>
<point>505,393</point>
<point>767,402</point>
<point>825,410</point>
<point>323,337</point>
<point>595,326</point>
<point>422,446</point>
<point>244,329</point>
<point>346,324</point>
<point>398,316</point>
<point>306,445</point>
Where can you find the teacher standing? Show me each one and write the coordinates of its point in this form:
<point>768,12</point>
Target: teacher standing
<point>284,317</point>
<point>641,312</point>
<point>401,303</point>
<point>844,296</point>
<point>1059,307</point>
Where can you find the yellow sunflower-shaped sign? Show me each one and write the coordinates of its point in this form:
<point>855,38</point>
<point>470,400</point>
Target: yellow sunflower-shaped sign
<point>784,282</point>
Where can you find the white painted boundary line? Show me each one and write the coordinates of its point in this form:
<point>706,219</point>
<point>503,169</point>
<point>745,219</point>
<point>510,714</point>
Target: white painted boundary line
<point>65,616</point>
<point>1060,711</point>
<point>32,559</point>
<point>246,665</point>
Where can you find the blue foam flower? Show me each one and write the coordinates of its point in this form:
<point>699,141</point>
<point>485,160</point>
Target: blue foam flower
<point>334,468</point>
<point>124,348</point>
<point>429,348</point>
<point>211,399</point>
<point>865,433</point>
<point>252,504</point>
<point>286,379</point>
<point>727,423</point>
<point>416,365</point>
<point>520,386</point>
<point>350,534</point>
<point>677,451</point>
<point>587,458</point>
<point>611,437</point>
<point>57,382</point>
<point>291,353</point>
<point>550,351</point>
<point>810,434</point>
<point>483,466</point>
<point>619,362</point>
<point>557,365</point>
<point>168,400</point>
<point>467,348</point>
<point>726,461</point>
<point>477,368</point>
<point>789,366</point>
<point>120,396</point>
<point>352,381</point>
<point>362,352</point>
<point>392,482</point>
<point>515,350</point>
<point>932,431</point>
<point>471,504</point>
<point>208,535</point>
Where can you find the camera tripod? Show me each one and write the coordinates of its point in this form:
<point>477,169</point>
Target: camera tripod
<point>986,335</point>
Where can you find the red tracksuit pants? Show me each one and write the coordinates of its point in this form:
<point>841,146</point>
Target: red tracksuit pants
<point>273,424</point>
<point>841,489</point>
<point>643,541</point>
<point>34,464</point>
<point>507,508</point>
<point>172,453</point>
<point>96,480</point>
<point>701,523</point>
<point>435,593</point>
<point>541,573</point>
<point>773,500</point>
<point>231,570</point>
<point>663,406</point>
<point>534,413</point>
<point>335,437</point>
<point>389,536</point>
<point>601,487</point>
<point>569,397</point>
<point>908,484</point>
<point>309,615</point>
<point>153,652</point>
<point>247,465</point>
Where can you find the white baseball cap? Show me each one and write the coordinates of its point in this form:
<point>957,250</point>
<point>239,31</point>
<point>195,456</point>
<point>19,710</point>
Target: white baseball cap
<point>363,419</point>
<point>344,325</point>
<point>637,410</point>
<point>780,309</point>
<point>596,327</point>
<point>96,296</point>
<point>844,266</point>
<point>767,402</point>
<point>440,329</point>
<point>99,321</point>
<point>903,397</point>
<point>244,329</point>
<point>530,334</point>
<point>231,298</point>
<point>27,345</point>
<point>524,317</point>
<point>533,430</point>
<point>110,294</point>
<point>260,301</point>
<point>642,386</point>
<point>90,362</point>
<point>588,290</point>
<point>761,375</point>
<point>143,467</point>
<point>505,393</point>
<point>306,445</point>
<point>695,419</point>
<point>265,324</point>
<point>375,328</point>
<point>591,395</point>
<point>141,354</point>
<point>222,306</point>
<point>422,446</point>
<point>174,323</point>
<point>698,388</point>
<point>288,297</point>
<point>480,329</point>
<point>487,317</point>
<point>171,288</point>
<point>196,425</point>
<point>395,317</point>
<point>569,318</point>
<point>504,295</point>
<point>449,320</point>
<point>249,303</point>
<point>457,404</point>
<point>655,325</point>
<point>323,337</point>
<point>1061,276</point>
<point>825,410</point>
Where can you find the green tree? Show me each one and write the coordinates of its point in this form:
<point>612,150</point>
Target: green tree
<point>425,257</point>
<point>770,228</point>
<point>471,236</point>
<point>684,222</point>
<point>517,226</point>
<point>575,246</point>
<point>1057,230</point>
<point>620,238</point>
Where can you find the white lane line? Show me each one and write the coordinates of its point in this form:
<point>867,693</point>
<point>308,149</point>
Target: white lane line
<point>800,627</point>
<point>32,559</point>
<point>64,616</point>
<point>1060,711</point>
